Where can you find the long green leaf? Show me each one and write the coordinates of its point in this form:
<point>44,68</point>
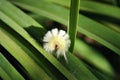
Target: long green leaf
<point>35,55</point>
<point>100,33</point>
<point>99,8</point>
<point>73,22</point>
<point>3,75</point>
<point>94,7</point>
<point>93,56</point>
<point>111,25</point>
<point>8,68</point>
<point>45,10</point>
<point>94,30</point>
<point>100,75</point>
<point>32,68</point>
<point>77,67</point>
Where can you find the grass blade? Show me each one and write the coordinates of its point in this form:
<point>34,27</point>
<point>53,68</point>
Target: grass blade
<point>4,75</point>
<point>78,68</point>
<point>94,7</point>
<point>92,56</point>
<point>32,68</point>
<point>72,29</point>
<point>100,33</point>
<point>8,68</point>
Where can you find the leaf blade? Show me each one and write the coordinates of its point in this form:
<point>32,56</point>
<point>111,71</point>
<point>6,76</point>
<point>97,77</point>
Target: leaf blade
<point>73,22</point>
<point>32,68</point>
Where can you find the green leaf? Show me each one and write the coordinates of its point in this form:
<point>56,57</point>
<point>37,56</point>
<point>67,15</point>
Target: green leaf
<point>78,68</point>
<point>100,75</point>
<point>100,33</point>
<point>73,22</point>
<point>100,8</point>
<point>39,7</point>
<point>3,75</point>
<point>111,26</point>
<point>6,68</point>
<point>94,7</point>
<point>93,56</point>
<point>29,64</point>
<point>33,53</point>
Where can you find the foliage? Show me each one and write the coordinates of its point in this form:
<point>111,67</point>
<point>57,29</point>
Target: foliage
<point>23,23</point>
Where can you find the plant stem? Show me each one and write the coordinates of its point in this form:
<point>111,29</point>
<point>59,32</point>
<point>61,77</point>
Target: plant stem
<point>72,29</point>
